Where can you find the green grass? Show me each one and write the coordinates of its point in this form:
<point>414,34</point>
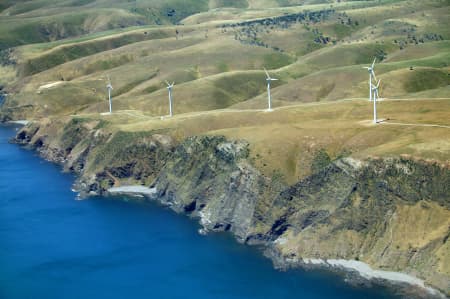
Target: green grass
<point>229,3</point>
<point>424,79</point>
<point>106,64</point>
<point>129,86</point>
<point>276,60</point>
<point>75,51</point>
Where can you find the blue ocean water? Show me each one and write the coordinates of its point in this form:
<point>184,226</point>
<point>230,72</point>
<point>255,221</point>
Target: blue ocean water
<point>53,246</point>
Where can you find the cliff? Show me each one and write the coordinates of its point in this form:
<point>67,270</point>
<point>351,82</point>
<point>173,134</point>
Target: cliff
<point>391,213</point>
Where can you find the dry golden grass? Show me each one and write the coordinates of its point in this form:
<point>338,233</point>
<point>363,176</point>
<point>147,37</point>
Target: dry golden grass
<point>287,139</point>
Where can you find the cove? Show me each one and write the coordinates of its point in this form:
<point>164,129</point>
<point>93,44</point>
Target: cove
<point>53,246</point>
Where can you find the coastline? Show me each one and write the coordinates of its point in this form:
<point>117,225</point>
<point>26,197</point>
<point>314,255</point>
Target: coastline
<point>227,198</point>
<point>358,269</point>
<point>23,122</point>
<point>367,272</point>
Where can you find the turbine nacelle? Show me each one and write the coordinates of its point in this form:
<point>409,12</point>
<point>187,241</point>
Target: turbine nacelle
<point>371,68</point>
<point>109,86</point>
<point>169,86</point>
<point>375,89</point>
<point>268,79</point>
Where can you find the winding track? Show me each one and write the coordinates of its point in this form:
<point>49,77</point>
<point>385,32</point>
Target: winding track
<point>219,111</point>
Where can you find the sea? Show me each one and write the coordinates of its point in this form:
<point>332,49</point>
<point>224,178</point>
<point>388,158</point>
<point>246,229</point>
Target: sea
<point>53,246</point>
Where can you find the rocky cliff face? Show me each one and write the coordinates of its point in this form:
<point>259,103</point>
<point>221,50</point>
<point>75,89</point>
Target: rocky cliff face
<point>210,178</point>
<point>392,213</point>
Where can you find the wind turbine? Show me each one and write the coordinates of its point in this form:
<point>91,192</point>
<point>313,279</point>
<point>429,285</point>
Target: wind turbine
<point>268,80</point>
<point>374,89</point>
<point>169,87</point>
<point>109,87</point>
<point>371,75</point>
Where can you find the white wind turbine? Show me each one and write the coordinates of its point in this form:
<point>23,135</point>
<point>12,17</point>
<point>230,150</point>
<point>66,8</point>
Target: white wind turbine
<point>169,88</point>
<point>371,75</point>
<point>374,89</point>
<point>109,87</point>
<point>268,80</point>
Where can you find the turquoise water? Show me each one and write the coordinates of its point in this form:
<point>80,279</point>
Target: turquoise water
<point>53,246</point>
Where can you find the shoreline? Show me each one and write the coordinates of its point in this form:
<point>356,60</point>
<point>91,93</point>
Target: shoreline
<point>361,269</point>
<point>365,271</point>
<point>22,122</point>
<point>132,190</point>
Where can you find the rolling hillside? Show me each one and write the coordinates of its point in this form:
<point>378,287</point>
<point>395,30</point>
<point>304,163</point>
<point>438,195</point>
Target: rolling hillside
<point>215,52</point>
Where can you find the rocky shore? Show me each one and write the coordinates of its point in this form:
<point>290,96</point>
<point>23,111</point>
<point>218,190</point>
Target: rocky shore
<point>390,213</point>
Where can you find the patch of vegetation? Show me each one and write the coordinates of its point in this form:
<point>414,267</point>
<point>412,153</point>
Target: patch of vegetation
<point>324,91</point>
<point>276,60</point>
<point>129,86</point>
<point>177,10</point>
<point>223,67</point>
<point>320,160</point>
<point>75,51</point>
<point>153,88</point>
<point>231,3</point>
<point>423,79</point>
<point>127,150</point>
<point>20,31</point>
<point>106,64</point>
<point>74,132</point>
<point>239,87</point>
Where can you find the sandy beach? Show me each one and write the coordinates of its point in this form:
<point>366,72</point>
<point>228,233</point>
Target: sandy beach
<point>133,190</point>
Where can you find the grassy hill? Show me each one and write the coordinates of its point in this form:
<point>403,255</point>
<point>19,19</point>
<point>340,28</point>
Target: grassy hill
<point>55,62</point>
<point>215,52</point>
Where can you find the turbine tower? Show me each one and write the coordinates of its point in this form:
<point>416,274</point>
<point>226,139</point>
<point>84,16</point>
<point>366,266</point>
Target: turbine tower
<point>374,89</point>
<point>268,80</point>
<point>371,75</point>
<point>169,87</point>
<point>109,87</point>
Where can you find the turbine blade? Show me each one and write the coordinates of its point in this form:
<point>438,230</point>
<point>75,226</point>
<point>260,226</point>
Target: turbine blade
<point>173,83</point>
<point>267,74</point>
<point>167,83</point>
<point>373,74</point>
<point>373,63</point>
<point>273,79</point>
<point>378,84</point>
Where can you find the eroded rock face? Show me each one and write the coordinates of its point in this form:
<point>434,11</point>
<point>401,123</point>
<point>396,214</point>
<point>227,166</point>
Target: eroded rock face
<point>100,158</point>
<point>209,177</point>
<point>390,213</point>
